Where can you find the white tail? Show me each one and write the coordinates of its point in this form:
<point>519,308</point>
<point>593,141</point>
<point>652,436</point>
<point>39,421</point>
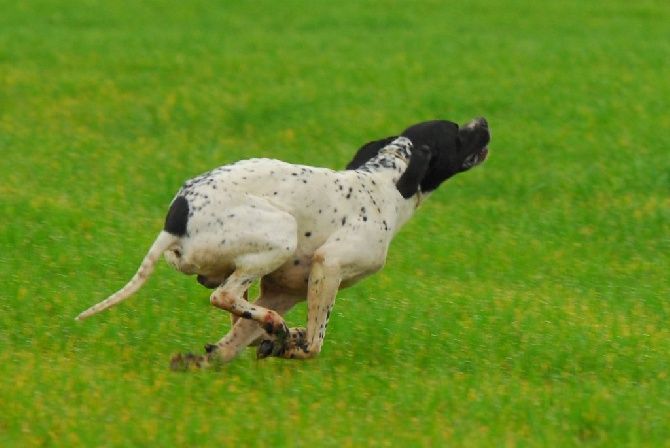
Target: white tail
<point>163,242</point>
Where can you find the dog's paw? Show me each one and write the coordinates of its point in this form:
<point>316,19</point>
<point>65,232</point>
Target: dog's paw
<point>294,338</point>
<point>271,347</point>
<point>183,362</point>
<point>298,337</point>
<point>265,349</point>
<point>276,329</point>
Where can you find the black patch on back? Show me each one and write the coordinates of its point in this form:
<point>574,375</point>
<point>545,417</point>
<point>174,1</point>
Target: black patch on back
<point>408,184</point>
<point>368,151</point>
<point>177,217</point>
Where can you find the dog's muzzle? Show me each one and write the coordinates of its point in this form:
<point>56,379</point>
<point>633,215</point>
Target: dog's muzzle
<point>476,158</point>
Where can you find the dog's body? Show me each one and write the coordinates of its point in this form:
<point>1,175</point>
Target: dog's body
<point>304,231</point>
<point>252,204</point>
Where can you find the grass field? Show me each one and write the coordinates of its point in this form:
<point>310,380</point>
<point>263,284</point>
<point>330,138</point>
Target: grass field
<point>526,304</point>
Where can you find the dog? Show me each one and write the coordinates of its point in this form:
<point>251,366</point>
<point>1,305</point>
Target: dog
<point>305,232</point>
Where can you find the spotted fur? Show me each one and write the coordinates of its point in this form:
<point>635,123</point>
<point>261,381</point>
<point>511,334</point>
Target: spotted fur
<point>305,232</point>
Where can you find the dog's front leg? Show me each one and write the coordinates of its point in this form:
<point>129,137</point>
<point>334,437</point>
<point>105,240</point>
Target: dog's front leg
<point>324,282</point>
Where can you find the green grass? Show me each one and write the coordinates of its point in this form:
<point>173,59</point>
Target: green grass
<point>526,304</point>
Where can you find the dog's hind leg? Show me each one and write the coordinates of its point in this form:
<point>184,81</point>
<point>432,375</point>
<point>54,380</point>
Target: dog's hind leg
<point>246,331</point>
<point>207,283</point>
<point>228,297</point>
<point>258,318</point>
<point>250,266</point>
<point>234,318</point>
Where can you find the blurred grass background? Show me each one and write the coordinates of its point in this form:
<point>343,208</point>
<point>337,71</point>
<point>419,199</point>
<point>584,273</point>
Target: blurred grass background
<point>526,304</point>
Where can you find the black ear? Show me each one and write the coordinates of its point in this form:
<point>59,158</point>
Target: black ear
<point>441,137</point>
<point>367,152</point>
<point>409,182</point>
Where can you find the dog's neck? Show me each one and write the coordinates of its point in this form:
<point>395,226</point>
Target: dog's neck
<point>392,157</point>
<point>391,162</point>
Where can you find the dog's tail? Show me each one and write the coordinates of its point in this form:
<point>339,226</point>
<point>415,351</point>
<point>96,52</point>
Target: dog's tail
<point>164,242</point>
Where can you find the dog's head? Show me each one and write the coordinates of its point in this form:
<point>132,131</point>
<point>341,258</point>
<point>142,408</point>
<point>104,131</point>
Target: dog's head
<point>452,149</point>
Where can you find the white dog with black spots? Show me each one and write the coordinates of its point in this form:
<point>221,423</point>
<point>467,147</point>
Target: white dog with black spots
<point>305,232</point>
